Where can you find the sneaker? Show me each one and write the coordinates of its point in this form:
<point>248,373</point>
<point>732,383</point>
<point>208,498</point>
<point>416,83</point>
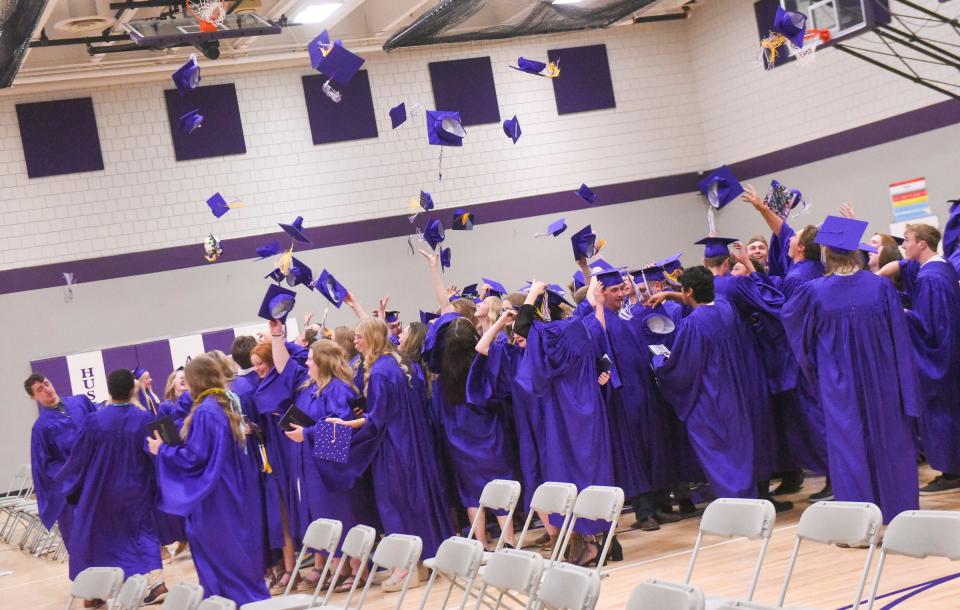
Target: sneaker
<point>789,484</point>
<point>941,485</point>
<point>824,495</point>
<point>648,525</point>
<point>781,506</point>
<point>663,517</point>
<point>155,594</point>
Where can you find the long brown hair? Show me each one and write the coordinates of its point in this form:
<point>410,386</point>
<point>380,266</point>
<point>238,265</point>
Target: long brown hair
<point>459,351</point>
<point>343,336</point>
<point>413,338</point>
<point>170,389</point>
<point>331,363</point>
<point>227,365</point>
<point>374,334</point>
<point>204,373</point>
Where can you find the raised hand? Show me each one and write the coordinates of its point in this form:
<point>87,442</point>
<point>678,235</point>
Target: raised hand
<point>847,211</point>
<point>750,196</point>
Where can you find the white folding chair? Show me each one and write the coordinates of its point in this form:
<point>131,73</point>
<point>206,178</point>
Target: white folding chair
<point>512,571</point>
<point>569,587</point>
<point>395,552</point>
<point>96,583</point>
<point>183,596</point>
<point>596,502</point>
<point>660,595</point>
<point>920,534</point>
<point>215,602</point>
<point>456,558</point>
<point>357,544</point>
<point>323,535</point>
<point>131,594</point>
<point>551,498</point>
<point>21,485</point>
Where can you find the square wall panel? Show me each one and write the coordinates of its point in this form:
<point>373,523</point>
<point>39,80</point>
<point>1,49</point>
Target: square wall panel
<point>59,137</point>
<point>466,86</point>
<point>353,118</point>
<point>584,82</point>
<point>222,131</point>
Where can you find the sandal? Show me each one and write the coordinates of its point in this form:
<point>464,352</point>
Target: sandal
<point>346,583</point>
<point>395,582</point>
<point>310,581</point>
<point>590,562</point>
<point>280,586</point>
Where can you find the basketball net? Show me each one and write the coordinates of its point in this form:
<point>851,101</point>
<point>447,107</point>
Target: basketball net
<point>208,13</point>
<point>811,41</point>
<point>775,43</point>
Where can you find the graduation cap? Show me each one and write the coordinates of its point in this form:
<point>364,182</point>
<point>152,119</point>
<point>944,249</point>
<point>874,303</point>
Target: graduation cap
<point>720,187</point>
<point>276,275</point>
<point>496,288</point>
<point>444,128</point>
<point>426,317</point>
<point>444,258</point>
<point>422,202</point>
<point>333,60</point>
<point>295,230</point>
<point>469,291</point>
<point>659,324</point>
<point>585,243</point>
<point>398,115</point>
<point>187,76</point>
<point>898,239</point>
<point>277,303</point>
<point>586,194</point>
<point>433,234</point>
<point>556,228</point>
<point>138,372</point>
<point>211,248</point>
<point>299,274</point>
<point>791,24</point>
<point>190,122</point>
<point>841,233</point>
<point>671,263</point>
<point>462,221</point>
<point>610,278</point>
<point>715,246</point>
<point>531,66</point>
<point>391,316</point>
<point>865,247</point>
<point>511,127</point>
<point>649,274</point>
<point>219,207</point>
<point>331,288</point>
<point>268,249</point>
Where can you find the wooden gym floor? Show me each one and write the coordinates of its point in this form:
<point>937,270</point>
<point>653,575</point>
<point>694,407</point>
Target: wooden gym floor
<point>825,576</point>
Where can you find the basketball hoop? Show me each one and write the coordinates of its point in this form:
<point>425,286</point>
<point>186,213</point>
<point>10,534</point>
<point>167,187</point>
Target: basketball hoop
<point>771,47</point>
<point>812,39</point>
<point>208,13</point>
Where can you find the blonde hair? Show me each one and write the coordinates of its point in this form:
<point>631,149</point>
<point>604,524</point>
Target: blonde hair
<point>331,363</point>
<point>374,334</point>
<point>204,373</point>
<point>494,305</point>
<point>226,363</point>
<point>841,262</point>
<point>170,388</point>
<point>466,308</point>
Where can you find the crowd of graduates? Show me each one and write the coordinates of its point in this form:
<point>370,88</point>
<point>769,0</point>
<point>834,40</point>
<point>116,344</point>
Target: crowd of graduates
<point>810,352</point>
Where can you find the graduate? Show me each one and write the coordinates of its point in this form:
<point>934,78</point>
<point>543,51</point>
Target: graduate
<point>110,480</point>
<point>710,379</point>
<point>951,235</point>
<point>52,438</point>
<point>176,401</point>
<point>146,397</point>
<point>934,322</point>
<point>849,333</point>
<point>209,480</point>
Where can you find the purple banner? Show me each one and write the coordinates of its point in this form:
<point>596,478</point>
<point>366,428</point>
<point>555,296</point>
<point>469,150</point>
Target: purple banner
<point>59,137</point>
<point>353,118</point>
<point>584,82</point>
<point>119,358</point>
<point>466,86</point>
<point>222,130</point>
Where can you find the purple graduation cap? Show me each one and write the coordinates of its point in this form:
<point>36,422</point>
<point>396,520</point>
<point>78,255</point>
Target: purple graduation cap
<point>671,263</point>
<point>584,243</point>
<point>268,249</point>
<point>433,234</point>
<point>496,288</point>
<point>462,220</point>
<point>511,127</point>
<point>277,303</point>
<point>865,247</point>
<point>427,317</point>
<point>331,288</point>
<point>898,239</point>
<point>426,201</point>
<point>333,60</point>
<point>715,246</point>
<point>586,194</point>
<point>469,291</point>
<point>648,274</point>
<point>532,66</point>
<point>610,277</point>
<point>187,76</point>
<point>299,274</point>
<point>720,187</point>
<point>398,115</point>
<point>791,24</point>
<point>190,122</point>
<point>841,233</point>
<point>556,227</point>
<point>295,230</point>
<point>391,316</point>
<point>138,372</point>
<point>444,128</point>
<point>218,205</point>
<point>276,275</point>
<point>445,255</point>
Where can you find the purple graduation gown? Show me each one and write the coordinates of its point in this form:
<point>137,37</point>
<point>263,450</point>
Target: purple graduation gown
<point>245,386</point>
<point>176,409</point>
<point>110,480</point>
<point>934,322</point>
<point>210,481</point>
<point>951,237</point>
<point>711,381</point>
<point>51,439</point>
<point>170,527</point>
<point>848,334</point>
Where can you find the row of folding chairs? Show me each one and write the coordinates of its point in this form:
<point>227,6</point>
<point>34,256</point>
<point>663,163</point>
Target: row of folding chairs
<point>107,584</point>
<point>919,534</point>
<point>21,519</point>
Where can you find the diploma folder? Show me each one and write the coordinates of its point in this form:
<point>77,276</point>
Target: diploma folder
<point>167,429</point>
<point>295,416</point>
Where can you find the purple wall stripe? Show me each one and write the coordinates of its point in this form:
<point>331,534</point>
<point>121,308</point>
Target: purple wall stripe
<point>55,369</point>
<point>119,358</point>
<point>155,356</point>
<point>904,125</point>
<point>218,339</point>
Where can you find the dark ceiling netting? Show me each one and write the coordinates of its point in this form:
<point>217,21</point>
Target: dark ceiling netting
<point>18,18</point>
<point>469,20</point>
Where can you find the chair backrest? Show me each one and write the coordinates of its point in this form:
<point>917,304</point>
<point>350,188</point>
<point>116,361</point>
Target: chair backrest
<point>514,570</point>
<point>323,535</point>
<point>500,494</point>
<point>456,558</point>
<point>359,541</point>
<point>215,602</point>
<point>569,587</point>
<point>738,517</point>
<point>131,593</point>
<point>596,502</point>
<point>396,551</point>
<point>357,544</point>
<point>19,481</point>
<point>183,596</point>
<point>553,497</point>
<point>97,583</point>
<point>661,595</point>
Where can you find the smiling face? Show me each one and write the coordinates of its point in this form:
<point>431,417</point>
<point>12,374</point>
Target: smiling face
<point>261,367</point>
<point>359,343</point>
<point>146,381</point>
<point>44,393</point>
<point>180,383</point>
<point>757,250</point>
<point>613,296</point>
<point>913,249</point>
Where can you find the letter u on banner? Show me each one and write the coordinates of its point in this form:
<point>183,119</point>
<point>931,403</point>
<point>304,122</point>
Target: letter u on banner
<point>87,375</point>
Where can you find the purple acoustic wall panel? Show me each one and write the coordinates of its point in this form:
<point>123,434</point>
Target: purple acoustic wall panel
<point>155,357</point>
<point>218,339</point>
<point>466,86</point>
<point>59,137</point>
<point>119,358</point>
<point>352,119</point>
<point>584,82</point>
<point>222,131</point>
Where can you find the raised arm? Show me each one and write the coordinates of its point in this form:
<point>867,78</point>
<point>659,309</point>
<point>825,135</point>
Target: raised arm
<point>438,289</point>
<point>354,305</point>
<point>595,296</point>
<point>773,221</point>
<point>280,354</point>
<point>891,269</point>
<point>740,254</point>
<point>483,345</point>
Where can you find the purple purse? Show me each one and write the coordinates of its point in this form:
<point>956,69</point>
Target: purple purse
<point>332,442</point>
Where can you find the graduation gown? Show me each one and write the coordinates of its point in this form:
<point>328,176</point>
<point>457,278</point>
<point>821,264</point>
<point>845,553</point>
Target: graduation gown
<point>244,386</point>
<point>210,481</point>
<point>934,322</point>
<point>711,381</point>
<point>51,440</point>
<point>170,527</point>
<point>848,334</point>
<point>110,480</point>
<point>177,409</point>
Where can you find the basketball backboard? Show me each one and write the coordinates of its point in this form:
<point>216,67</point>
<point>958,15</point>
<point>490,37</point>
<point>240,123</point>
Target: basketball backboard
<point>841,17</point>
<point>165,32</point>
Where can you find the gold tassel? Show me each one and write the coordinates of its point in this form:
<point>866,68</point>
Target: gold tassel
<point>263,456</point>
